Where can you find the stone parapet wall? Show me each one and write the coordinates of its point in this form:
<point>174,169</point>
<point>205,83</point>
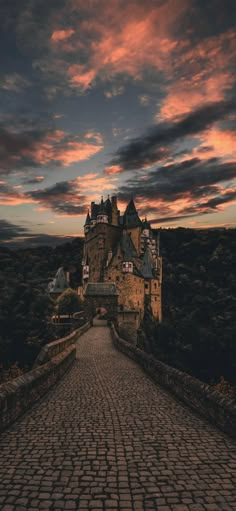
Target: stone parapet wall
<point>53,361</point>
<point>54,348</point>
<point>18,395</point>
<point>216,408</point>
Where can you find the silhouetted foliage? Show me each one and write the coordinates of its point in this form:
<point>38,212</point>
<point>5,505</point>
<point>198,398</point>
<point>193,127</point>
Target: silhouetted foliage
<point>199,300</point>
<point>68,303</point>
<point>25,306</point>
<point>198,331</point>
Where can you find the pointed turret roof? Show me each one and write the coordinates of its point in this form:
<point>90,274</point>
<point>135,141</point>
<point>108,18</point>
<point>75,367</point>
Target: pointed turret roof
<point>146,224</point>
<point>147,267</point>
<point>108,206</point>
<point>102,209</point>
<point>88,219</point>
<point>94,210</point>
<point>128,247</point>
<point>131,218</point>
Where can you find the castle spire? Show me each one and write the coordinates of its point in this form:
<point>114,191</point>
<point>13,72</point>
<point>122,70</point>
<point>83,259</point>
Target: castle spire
<point>131,218</point>
<point>88,219</point>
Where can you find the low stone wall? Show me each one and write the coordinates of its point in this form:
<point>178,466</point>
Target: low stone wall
<point>199,396</point>
<point>53,361</point>
<point>53,348</point>
<point>18,395</point>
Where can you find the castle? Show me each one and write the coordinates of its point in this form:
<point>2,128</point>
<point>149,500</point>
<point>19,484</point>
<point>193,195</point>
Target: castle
<point>122,268</point>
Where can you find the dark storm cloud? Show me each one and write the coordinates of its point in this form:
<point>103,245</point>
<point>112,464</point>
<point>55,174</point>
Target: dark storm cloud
<point>9,231</point>
<point>36,240</point>
<point>153,145</point>
<point>165,219</point>
<point>220,200</point>
<point>33,180</point>
<point>16,148</point>
<point>31,19</point>
<point>38,148</point>
<point>194,177</point>
<point>63,197</point>
<point>16,236</point>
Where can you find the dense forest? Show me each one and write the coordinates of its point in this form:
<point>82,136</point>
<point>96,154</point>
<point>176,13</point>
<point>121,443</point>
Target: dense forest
<point>198,331</point>
<point>25,306</point>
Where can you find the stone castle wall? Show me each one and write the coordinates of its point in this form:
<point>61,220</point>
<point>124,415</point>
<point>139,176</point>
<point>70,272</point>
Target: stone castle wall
<point>197,395</point>
<point>130,287</point>
<point>18,395</point>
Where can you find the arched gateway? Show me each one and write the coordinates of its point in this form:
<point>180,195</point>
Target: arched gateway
<point>101,295</point>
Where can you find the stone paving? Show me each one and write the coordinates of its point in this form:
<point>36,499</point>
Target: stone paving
<point>107,438</point>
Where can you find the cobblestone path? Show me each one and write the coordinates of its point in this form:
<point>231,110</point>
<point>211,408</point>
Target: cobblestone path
<point>107,438</point>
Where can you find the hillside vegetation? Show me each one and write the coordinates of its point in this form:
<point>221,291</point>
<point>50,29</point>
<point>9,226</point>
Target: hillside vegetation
<point>198,333</point>
<point>25,307</point>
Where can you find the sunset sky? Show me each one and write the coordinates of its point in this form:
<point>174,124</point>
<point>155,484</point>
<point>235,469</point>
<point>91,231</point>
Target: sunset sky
<point>134,98</point>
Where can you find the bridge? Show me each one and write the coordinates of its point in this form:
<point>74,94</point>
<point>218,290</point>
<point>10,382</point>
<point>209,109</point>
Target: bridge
<point>108,438</point>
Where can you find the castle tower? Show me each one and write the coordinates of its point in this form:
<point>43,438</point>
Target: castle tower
<point>87,224</point>
<point>102,217</point>
<point>122,252</point>
<point>133,224</point>
<point>115,212</point>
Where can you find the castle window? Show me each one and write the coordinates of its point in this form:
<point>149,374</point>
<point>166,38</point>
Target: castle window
<point>101,243</point>
<point>127,267</point>
<point>117,279</point>
<point>85,272</point>
<point>146,286</point>
<point>155,286</point>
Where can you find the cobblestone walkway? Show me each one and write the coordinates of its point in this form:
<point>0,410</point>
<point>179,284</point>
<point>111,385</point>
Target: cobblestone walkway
<point>107,438</point>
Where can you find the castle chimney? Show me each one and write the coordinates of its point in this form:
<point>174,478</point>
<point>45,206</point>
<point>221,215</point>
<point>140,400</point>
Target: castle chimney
<point>115,213</point>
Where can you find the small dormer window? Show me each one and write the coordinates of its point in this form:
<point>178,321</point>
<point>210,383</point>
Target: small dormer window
<point>101,243</point>
<point>103,219</point>
<point>127,267</point>
<point>85,272</point>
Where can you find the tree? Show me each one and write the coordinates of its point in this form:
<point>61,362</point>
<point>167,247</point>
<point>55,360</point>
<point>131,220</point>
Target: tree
<point>68,302</point>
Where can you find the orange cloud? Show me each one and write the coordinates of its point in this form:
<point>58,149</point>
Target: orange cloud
<point>204,76</point>
<point>186,95</point>
<point>14,198</point>
<point>79,77</point>
<point>95,183</point>
<point>55,147</point>
<point>218,143</point>
<point>61,35</point>
<point>113,169</point>
<point>123,38</point>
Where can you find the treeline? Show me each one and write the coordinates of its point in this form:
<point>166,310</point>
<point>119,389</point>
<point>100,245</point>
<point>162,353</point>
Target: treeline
<point>198,332</point>
<point>25,306</point>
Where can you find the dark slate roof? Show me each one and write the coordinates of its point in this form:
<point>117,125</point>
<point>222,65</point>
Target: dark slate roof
<point>147,267</point>
<point>146,224</point>
<point>128,247</point>
<point>108,206</point>
<point>101,289</point>
<point>94,211</point>
<point>88,219</point>
<point>131,218</point>
<point>102,209</point>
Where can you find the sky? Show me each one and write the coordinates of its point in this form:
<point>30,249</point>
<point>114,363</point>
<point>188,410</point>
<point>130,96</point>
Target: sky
<point>129,98</point>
